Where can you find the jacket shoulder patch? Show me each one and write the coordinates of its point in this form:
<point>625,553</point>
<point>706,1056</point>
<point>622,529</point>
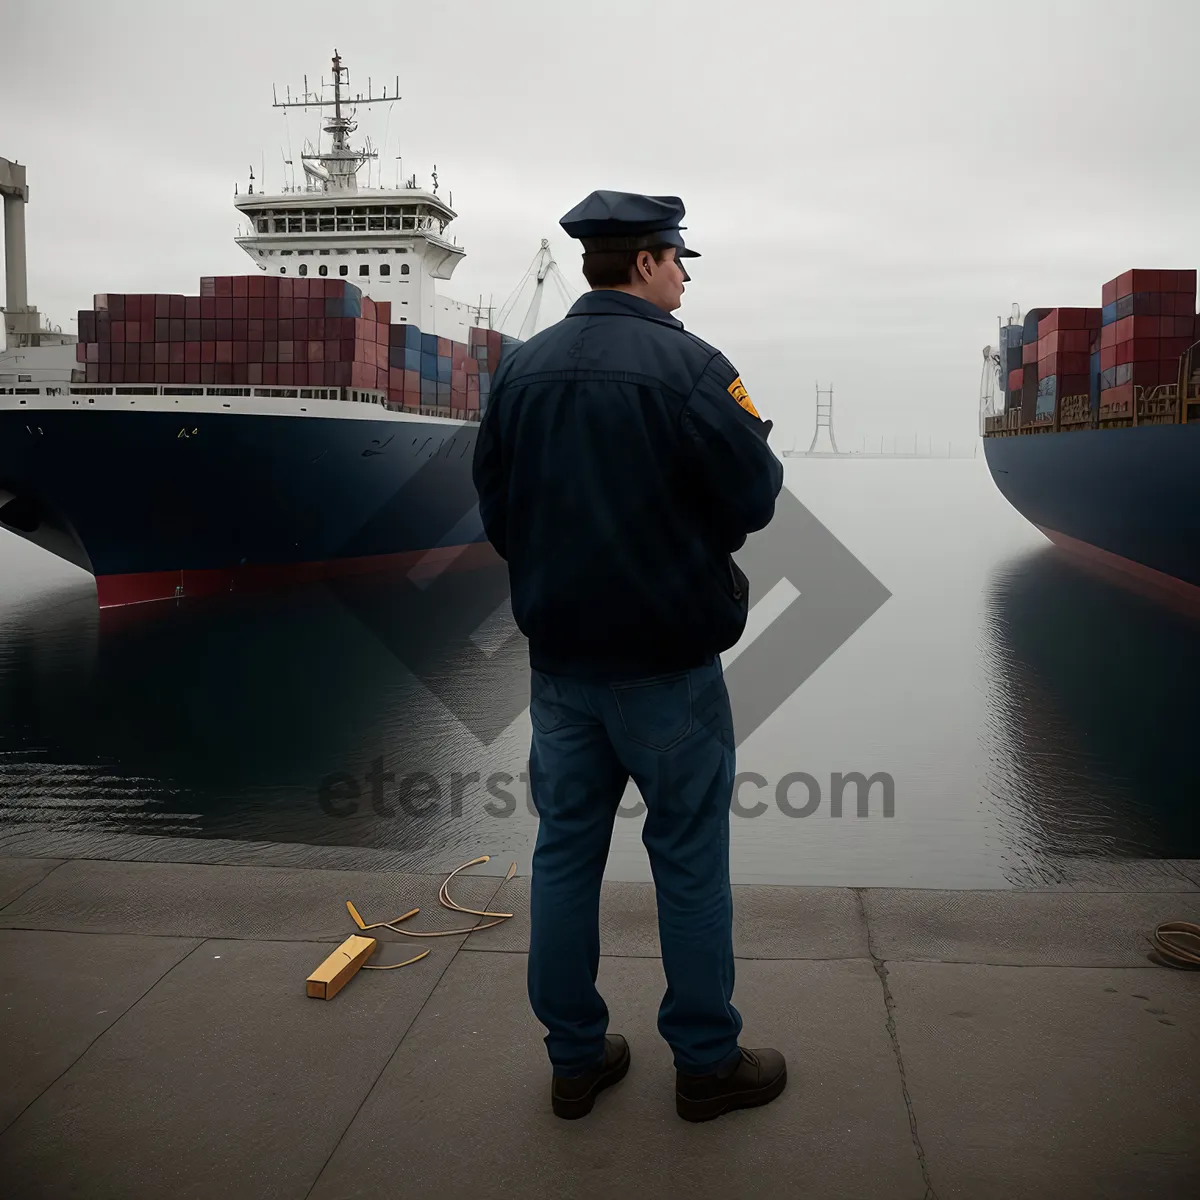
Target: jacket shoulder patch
<point>738,391</point>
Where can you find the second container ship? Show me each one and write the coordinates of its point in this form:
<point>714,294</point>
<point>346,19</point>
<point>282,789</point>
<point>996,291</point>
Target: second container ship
<point>1098,439</point>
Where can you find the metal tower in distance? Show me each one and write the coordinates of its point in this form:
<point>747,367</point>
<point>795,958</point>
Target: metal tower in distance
<point>824,418</point>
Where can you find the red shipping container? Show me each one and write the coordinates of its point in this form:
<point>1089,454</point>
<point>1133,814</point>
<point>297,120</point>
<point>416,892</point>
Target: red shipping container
<point>175,352</point>
<point>191,352</point>
<point>270,352</point>
<point>81,352</point>
<point>223,372</point>
<point>271,309</point>
<point>208,352</point>
<point>300,289</point>
<point>412,381</point>
<point>208,308</point>
<point>224,285</point>
<point>443,347</point>
<point>177,307</point>
<point>1145,349</point>
<point>316,351</point>
<point>239,329</point>
<point>286,329</point>
<point>346,354</point>
<point>1151,374</point>
<point>109,352</point>
<point>383,310</point>
<point>254,352</point>
<point>208,285</point>
<point>1124,352</point>
<point>270,330</point>
<point>224,308</point>
<point>99,301</point>
<point>257,286</point>
<point>147,373</point>
<point>224,329</point>
<point>116,306</point>
<point>1173,348</point>
<point>191,329</point>
<point>241,285</point>
<point>254,330</point>
<point>162,306</point>
<point>270,374</point>
<point>224,351</point>
<point>286,351</point>
<point>256,308</point>
<point>191,373</point>
<point>1108,358</point>
<point>1108,293</point>
<point>241,352</point>
<point>175,373</point>
<point>175,329</point>
<point>1029,355</point>
<point>208,372</point>
<point>395,379</point>
<point>191,307</point>
<point>254,372</point>
<point>162,352</point>
<point>239,308</point>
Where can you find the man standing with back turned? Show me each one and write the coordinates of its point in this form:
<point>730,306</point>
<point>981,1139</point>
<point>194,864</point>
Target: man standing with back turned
<point>619,463</point>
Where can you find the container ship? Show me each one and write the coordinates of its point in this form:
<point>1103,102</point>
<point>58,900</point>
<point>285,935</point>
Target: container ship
<point>1097,441</point>
<point>312,418</point>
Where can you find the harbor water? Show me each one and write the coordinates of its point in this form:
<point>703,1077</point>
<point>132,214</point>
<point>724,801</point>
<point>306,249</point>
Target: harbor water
<point>1017,712</point>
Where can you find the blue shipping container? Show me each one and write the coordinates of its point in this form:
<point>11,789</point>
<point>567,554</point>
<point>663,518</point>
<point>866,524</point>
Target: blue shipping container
<point>443,370</point>
<point>412,359</point>
<point>412,338</point>
<point>429,344</point>
<point>1108,314</point>
<point>429,366</point>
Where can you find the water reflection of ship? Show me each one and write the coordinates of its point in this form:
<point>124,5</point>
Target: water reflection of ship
<point>221,718</point>
<point>1094,715</point>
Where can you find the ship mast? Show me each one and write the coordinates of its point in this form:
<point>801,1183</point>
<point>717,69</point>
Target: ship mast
<point>337,169</point>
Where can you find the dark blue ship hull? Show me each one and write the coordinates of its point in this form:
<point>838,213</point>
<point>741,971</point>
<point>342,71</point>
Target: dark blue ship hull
<point>158,504</point>
<point>1127,497</point>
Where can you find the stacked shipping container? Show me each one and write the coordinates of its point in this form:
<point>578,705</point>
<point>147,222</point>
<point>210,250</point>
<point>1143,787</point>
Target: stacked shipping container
<point>1067,338</point>
<point>279,332</point>
<point>1148,323</point>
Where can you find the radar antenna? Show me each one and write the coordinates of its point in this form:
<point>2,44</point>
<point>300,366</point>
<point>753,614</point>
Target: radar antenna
<point>336,170</point>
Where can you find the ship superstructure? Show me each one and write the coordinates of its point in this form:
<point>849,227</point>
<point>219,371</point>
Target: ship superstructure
<point>391,243</point>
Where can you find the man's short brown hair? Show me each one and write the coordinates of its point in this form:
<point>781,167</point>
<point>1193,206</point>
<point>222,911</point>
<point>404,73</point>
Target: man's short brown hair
<point>611,262</point>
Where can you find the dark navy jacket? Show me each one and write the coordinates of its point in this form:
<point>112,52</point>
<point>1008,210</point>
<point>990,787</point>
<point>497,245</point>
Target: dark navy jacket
<point>616,471</point>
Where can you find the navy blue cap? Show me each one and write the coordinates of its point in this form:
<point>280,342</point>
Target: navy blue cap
<point>625,220</point>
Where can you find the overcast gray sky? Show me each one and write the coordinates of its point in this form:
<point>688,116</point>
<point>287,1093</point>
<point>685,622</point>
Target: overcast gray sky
<point>871,184</point>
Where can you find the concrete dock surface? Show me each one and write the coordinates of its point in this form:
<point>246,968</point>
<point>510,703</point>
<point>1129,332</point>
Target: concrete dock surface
<point>158,1042</point>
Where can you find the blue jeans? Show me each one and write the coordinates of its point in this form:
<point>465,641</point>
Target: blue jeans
<point>674,735</point>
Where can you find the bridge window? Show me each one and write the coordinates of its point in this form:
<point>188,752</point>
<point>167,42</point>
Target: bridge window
<point>322,270</point>
<point>326,224</point>
<point>385,269</point>
<point>364,269</point>
<point>304,268</point>
<point>262,227</point>
<point>343,269</point>
<point>345,225</point>
<point>283,270</point>
<point>404,268</point>
<point>280,224</point>
<point>375,223</point>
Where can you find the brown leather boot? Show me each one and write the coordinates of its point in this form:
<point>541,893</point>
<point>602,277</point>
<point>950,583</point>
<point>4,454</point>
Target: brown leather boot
<point>573,1098</point>
<point>757,1079</point>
